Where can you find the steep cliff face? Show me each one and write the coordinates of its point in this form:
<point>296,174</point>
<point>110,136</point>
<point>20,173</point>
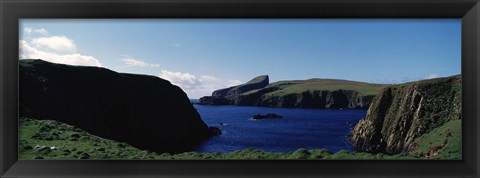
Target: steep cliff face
<point>336,99</point>
<point>402,113</point>
<point>213,100</point>
<point>229,95</point>
<point>313,93</point>
<point>144,111</point>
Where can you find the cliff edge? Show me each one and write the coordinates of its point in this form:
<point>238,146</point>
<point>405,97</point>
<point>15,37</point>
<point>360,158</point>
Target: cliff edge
<point>144,111</point>
<point>402,113</point>
<point>311,93</point>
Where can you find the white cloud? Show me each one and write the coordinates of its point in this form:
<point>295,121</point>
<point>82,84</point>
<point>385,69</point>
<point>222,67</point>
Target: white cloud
<point>27,51</point>
<point>430,76</point>
<point>183,80</point>
<point>132,62</point>
<point>30,30</point>
<point>60,44</point>
<point>27,29</point>
<point>197,86</point>
<point>56,49</point>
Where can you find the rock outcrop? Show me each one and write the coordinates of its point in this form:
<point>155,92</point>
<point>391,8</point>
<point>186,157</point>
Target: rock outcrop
<point>228,96</point>
<point>317,93</point>
<point>325,99</point>
<point>213,100</point>
<point>266,116</point>
<point>402,113</point>
<point>144,111</point>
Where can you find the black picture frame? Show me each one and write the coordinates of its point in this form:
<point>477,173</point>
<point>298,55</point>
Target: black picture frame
<point>13,10</point>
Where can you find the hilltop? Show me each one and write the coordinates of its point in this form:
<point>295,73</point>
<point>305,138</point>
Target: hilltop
<point>145,111</point>
<point>311,93</point>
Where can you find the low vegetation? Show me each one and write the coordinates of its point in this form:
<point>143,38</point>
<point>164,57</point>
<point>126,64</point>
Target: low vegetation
<point>299,86</point>
<point>402,113</point>
<point>48,139</point>
<point>444,142</point>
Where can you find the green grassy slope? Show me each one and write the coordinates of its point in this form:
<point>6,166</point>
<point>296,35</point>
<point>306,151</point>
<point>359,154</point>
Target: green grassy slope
<point>47,139</point>
<point>299,86</point>
<point>257,79</point>
<point>444,142</point>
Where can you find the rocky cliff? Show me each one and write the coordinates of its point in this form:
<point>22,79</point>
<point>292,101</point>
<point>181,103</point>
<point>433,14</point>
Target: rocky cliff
<point>402,113</point>
<point>337,99</point>
<point>144,111</point>
<point>228,96</point>
<point>312,93</point>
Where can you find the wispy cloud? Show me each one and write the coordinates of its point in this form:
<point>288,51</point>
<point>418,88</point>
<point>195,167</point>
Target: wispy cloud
<point>132,62</point>
<point>57,49</point>
<point>430,76</point>
<point>40,31</point>
<point>197,86</point>
<point>176,45</point>
<point>393,81</point>
<point>181,42</point>
<point>384,81</point>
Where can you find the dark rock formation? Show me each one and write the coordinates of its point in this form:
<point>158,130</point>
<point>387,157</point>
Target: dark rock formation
<point>266,116</point>
<point>144,111</point>
<point>213,100</point>
<point>229,95</point>
<point>254,98</point>
<point>337,99</point>
<point>215,130</point>
<point>402,113</point>
<point>222,92</point>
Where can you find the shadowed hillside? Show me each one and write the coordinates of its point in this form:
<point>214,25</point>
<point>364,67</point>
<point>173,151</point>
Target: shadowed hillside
<point>144,111</point>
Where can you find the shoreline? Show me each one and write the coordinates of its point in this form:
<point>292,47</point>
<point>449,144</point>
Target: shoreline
<point>92,147</point>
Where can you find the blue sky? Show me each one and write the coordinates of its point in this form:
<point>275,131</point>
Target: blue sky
<point>203,55</point>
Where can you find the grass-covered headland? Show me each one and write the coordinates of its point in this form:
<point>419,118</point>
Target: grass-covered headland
<point>48,139</point>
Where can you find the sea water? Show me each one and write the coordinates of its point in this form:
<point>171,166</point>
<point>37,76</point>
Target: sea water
<point>299,128</point>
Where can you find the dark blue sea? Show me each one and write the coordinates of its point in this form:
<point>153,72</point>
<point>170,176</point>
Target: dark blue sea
<point>300,128</point>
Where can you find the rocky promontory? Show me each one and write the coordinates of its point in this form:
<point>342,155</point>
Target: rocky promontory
<point>255,83</point>
<point>229,95</point>
<point>144,111</point>
<point>312,93</point>
<point>402,113</point>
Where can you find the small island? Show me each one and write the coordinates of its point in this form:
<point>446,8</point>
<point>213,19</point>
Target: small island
<point>266,116</point>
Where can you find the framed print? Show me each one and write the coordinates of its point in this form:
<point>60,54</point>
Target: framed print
<point>239,88</point>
